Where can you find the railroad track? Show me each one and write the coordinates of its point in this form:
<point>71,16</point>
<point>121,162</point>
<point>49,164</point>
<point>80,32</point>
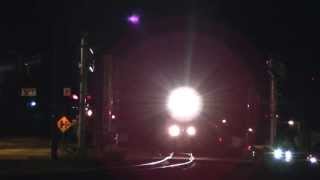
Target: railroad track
<point>181,160</point>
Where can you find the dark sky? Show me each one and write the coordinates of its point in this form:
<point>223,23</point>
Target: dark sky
<point>283,25</point>
<point>286,29</point>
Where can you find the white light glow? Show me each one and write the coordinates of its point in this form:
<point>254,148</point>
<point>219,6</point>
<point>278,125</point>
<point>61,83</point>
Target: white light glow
<point>191,131</point>
<point>291,123</point>
<point>313,160</point>
<point>75,97</point>
<point>278,153</point>
<point>89,112</point>
<point>91,68</point>
<point>174,131</point>
<point>91,51</point>
<point>184,104</point>
<point>288,156</point>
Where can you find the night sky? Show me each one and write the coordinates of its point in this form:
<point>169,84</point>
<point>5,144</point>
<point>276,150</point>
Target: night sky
<point>286,30</point>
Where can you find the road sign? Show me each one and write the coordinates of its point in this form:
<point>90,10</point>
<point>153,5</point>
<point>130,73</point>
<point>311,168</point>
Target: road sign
<point>28,92</point>
<point>64,124</point>
<point>66,91</point>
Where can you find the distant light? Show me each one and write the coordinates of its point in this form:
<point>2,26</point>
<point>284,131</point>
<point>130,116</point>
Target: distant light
<point>89,112</point>
<point>174,131</point>
<point>288,156</point>
<point>224,121</point>
<point>184,103</point>
<point>250,129</point>
<point>75,97</point>
<point>33,103</point>
<point>248,106</point>
<point>134,19</point>
<point>191,131</point>
<point>220,139</point>
<point>277,115</point>
<point>113,116</point>
<point>253,153</point>
<point>291,122</point>
<point>91,68</point>
<point>278,153</point>
<point>312,159</point>
<point>91,51</point>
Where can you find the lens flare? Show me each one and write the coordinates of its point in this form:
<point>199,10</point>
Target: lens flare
<point>174,131</point>
<point>184,104</point>
<point>191,131</point>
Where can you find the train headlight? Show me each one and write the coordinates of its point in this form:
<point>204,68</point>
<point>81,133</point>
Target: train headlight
<point>191,131</point>
<point>184,103</point>
<point>174,130</point>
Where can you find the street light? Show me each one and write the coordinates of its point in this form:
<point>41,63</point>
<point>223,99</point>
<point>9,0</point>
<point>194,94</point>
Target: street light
<point>224,121</point>
<point>250,130</point>
<point>184,103</point>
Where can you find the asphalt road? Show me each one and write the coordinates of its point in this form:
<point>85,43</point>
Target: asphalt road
<point>185,167</point>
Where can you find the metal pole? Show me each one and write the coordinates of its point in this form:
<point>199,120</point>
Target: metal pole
<point>273,104</point>
<point>110,94</point>
<point>82,95</point>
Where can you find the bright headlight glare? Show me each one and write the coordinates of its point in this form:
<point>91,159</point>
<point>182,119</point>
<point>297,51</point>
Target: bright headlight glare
<point>184,103</point>
<point>174,130</point>
<point>278,153</point>
<point>191,131</point>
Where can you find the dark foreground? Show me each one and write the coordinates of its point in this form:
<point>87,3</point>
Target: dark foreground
<point>183,168</point>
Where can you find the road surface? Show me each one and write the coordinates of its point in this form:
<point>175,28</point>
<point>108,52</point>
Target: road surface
<point>180,166</point>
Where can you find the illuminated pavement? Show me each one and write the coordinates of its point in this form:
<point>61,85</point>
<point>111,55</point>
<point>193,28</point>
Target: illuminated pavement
<point>24,148</point>
<point>20,158</point>
<point>173,166</point>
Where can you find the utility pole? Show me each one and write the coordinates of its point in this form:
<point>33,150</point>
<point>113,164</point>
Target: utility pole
<point>82,96</point>
<point>107,99</point>
<point>110,94</point>
<point>273,102</point>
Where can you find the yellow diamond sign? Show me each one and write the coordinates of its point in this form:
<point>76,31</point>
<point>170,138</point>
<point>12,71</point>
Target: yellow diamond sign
<point>64,124</point>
